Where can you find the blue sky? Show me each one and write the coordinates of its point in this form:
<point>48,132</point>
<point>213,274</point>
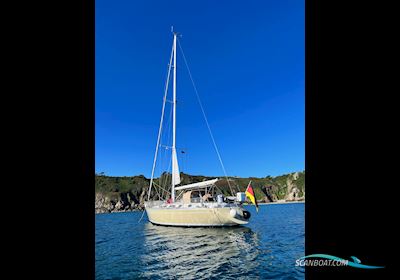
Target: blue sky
<point>247,59</point>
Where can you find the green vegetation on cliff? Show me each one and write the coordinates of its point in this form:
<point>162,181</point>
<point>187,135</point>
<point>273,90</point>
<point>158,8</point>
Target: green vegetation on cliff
<point>276,188</point>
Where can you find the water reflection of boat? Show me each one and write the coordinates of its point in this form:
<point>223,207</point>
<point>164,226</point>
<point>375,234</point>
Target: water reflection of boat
<point>199,253</point>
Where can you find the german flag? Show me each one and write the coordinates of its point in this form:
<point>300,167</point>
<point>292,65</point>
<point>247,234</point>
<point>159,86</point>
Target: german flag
<point>251,195</point>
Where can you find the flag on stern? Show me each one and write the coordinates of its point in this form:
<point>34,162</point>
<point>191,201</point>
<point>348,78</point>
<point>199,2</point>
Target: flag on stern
<point>251,195</point>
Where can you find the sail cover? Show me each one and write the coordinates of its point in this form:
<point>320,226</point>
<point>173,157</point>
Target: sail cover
<point>175,168</point>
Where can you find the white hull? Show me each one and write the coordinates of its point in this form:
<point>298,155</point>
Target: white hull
<point>198,215</point>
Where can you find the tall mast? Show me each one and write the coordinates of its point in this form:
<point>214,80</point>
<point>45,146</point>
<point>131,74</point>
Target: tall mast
<point>174,124</point>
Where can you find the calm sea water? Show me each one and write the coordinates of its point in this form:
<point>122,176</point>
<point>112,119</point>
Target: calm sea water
<point>266,248</point>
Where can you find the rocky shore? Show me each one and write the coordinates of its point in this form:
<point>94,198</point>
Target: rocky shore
<point>122,203</point>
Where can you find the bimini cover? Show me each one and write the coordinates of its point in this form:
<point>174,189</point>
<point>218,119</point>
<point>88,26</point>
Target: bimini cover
<point>197,185</point>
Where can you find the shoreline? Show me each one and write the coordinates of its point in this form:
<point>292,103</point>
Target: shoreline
<point>261,203</point>
<point>280,202</point>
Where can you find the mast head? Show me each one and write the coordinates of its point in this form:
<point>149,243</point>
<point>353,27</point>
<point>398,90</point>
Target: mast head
<point>175,33</point>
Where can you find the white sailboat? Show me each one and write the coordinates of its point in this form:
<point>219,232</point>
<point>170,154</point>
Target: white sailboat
<point>197,204</point>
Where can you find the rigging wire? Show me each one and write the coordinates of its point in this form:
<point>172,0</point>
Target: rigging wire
<point>163,161</point>
<point>164,182</point>
<point>141,217</point>
<point>204,115</point>
<point>160,129</point>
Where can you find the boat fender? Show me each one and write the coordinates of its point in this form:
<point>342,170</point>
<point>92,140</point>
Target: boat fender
<point>246,215</point>
<point>233,213</point>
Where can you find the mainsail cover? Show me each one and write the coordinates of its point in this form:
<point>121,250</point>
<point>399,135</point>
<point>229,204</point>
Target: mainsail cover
<point>175,169</point>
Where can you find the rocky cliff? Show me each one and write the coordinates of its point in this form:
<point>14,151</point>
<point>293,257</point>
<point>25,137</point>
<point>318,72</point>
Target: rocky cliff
<point>122,202</point>
<point>119,194</point>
